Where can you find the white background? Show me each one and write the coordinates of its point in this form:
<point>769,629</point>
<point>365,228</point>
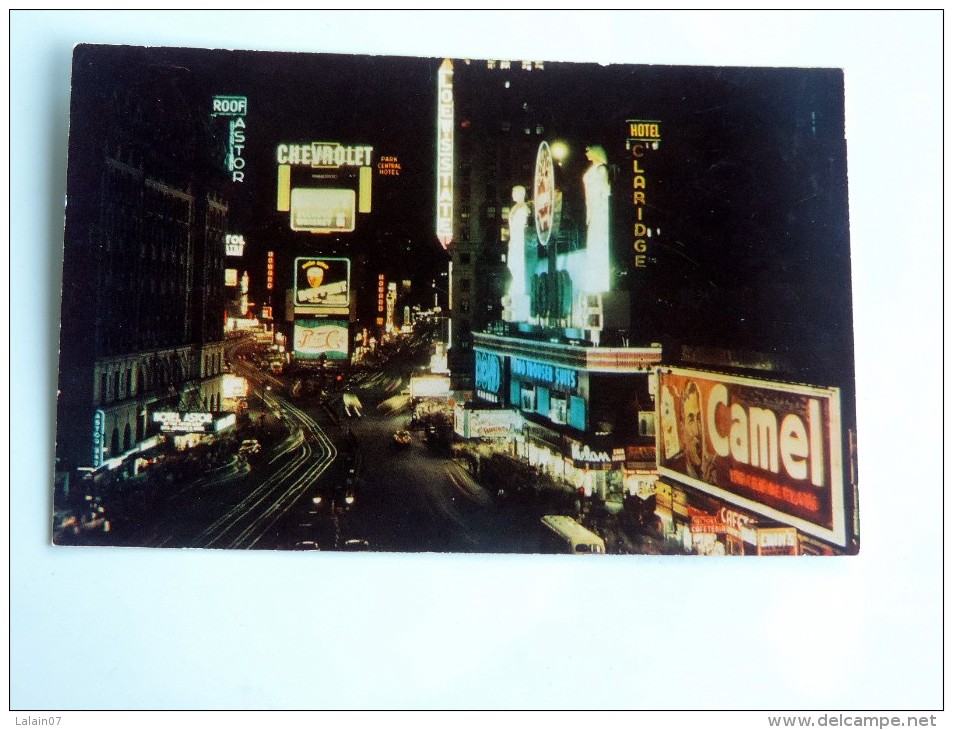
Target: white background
<point>139,629</point>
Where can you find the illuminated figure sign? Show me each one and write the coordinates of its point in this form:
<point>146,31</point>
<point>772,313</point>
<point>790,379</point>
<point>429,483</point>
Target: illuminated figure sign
<point>323,210</point>
<point>544,193</point>
<point>771,448</point>
<point>596,183</point>
<point>322,286</point>
<point>314,338</point>
<point>445,153</point>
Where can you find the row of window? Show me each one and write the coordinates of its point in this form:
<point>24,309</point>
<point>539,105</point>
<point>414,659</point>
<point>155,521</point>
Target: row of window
<point>121,383</point>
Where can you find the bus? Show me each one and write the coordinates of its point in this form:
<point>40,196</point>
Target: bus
<point>567,535</point>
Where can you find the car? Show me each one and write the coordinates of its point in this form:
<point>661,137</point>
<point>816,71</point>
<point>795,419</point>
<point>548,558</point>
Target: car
<point>249,446</point>
<point>306,545</point>
<point>356,545</point>
<point>402,438</point>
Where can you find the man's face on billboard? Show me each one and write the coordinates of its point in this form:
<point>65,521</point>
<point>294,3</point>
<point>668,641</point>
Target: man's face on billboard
<point>669,424</point>
<point>692,416</point>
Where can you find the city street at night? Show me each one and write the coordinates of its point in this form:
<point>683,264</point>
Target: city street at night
<point>543,308</point>
<point>450,361</point>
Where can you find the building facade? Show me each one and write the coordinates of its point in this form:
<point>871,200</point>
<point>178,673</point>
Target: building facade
<point>143,304</point>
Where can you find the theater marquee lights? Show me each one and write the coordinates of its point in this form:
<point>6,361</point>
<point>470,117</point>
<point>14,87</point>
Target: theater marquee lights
<point>445,153</point>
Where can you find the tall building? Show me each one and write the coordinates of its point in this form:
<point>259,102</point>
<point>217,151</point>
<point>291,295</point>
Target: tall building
<point>622,236</point>
<point>143,296</point>
<point>557,352</point>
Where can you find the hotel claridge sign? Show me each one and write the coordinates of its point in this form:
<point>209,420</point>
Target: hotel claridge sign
<point>336,302</point>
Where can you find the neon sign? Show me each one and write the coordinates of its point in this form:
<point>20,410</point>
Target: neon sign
<point>488,376</point>
<point>445,153</point>
<point>193,422</point>
<point>324,154</point>
<point>316,338</point>
<point>544,193</point>
<point>237,107</point>
<point>643,136</point>
<point>234,244</point>
<point>543,372</point>
<point>99,437</point>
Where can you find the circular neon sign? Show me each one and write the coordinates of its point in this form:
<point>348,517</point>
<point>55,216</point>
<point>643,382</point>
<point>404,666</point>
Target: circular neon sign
<point>544,193</point>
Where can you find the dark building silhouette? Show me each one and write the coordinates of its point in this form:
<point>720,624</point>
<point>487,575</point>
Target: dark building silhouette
<point>143,292</point>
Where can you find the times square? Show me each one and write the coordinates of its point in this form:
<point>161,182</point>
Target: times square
<point>322,302</point>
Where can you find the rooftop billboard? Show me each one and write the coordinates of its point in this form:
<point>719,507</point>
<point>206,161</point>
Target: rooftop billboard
<point>772,448</point>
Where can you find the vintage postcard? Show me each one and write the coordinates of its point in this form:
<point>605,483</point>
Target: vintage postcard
<point>343,302</point>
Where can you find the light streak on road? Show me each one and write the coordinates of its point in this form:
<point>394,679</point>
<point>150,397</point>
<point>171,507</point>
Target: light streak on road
<point>306,457</point>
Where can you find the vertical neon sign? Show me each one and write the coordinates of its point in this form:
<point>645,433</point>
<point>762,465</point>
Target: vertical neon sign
<point>445,153</point>
<point>99,437</point>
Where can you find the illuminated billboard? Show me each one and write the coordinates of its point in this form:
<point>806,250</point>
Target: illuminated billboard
<point>324,185</point>
<point>772,448</point>
<point>429,386</point>
<point>323,210</point>
<point>322,285</point>
<point>544,193</point>
<point>314,338</point>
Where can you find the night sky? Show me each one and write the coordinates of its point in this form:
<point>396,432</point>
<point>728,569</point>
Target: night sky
<point>749,188</point>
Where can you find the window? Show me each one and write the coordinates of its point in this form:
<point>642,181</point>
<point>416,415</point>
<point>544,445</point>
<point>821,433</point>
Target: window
<point>528,398</point>
<point>646,423</point>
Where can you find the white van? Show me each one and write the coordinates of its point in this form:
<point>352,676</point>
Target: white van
<point>567,535</point>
